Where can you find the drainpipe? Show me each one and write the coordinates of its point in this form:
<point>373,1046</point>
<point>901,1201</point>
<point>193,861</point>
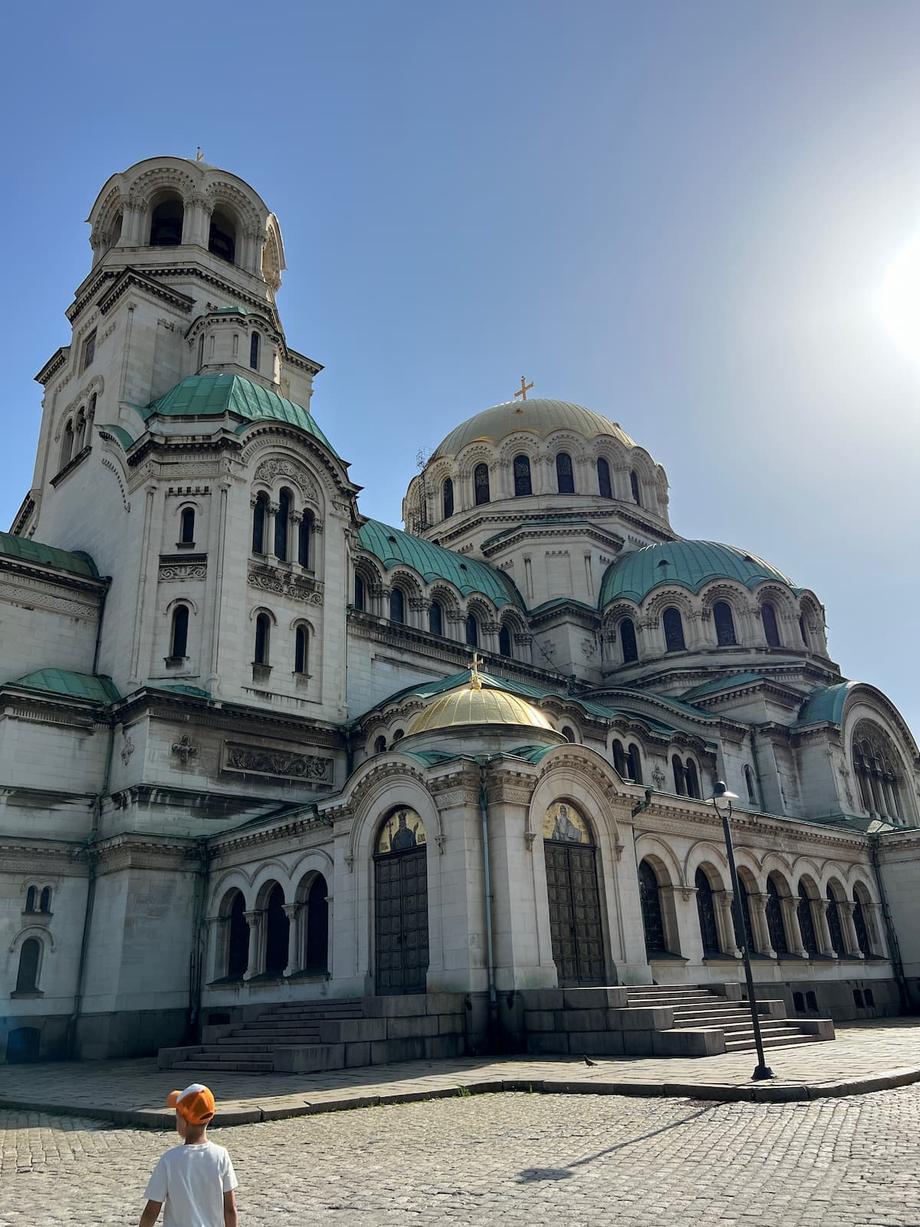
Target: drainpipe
<point>487,893</point>
<point>199,950</point>
<point>897,965</point>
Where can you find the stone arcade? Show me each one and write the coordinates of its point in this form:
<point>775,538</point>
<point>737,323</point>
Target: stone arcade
<point>260,804</point>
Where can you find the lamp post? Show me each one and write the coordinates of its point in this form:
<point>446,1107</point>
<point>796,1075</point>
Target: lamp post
<point>721,793</point>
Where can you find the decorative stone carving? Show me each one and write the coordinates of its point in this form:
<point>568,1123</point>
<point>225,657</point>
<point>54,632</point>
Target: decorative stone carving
<point>185,749</point>
<point>182,570</point>
<point>277,466</point>
<point>257,760</point>
<point>282,583</point>
<point>127,749</point>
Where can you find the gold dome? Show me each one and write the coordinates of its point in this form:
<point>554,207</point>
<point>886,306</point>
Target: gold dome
<point>476,704</point>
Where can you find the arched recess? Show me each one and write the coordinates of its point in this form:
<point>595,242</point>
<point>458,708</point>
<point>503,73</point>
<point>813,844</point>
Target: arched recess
<point>401,932</point>
<point>573,897</point>
<point>232,959</point>
<point>862,921</point>
<point>836,895</point>
<point>706,882</point>
<point>777,890</point>
<point>275,924</point>
<point>807,894</point>
<point>167,217</point>
<point>314,945</point>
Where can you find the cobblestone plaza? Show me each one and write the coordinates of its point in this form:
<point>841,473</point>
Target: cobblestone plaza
<point>516,1158</point>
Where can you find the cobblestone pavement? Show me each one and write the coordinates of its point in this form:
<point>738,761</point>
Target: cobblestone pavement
<point>863,1050</point>
<point>513,1159</point>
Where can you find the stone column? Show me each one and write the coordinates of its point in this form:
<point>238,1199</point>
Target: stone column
<point>789,908</point>
<point>850,940</point>
<point>270,543</point>
<point>294,961</point>
<point>760,929</point>
<point>725,923</point>
<point>822,929</point>
<point>256,962</point>
<point>218,927</point>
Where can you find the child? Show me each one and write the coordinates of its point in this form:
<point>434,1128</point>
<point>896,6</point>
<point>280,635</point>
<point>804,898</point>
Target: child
<point>196,1180</point>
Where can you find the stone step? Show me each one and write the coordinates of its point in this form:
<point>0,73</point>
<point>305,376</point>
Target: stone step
<point>748,1045</point>
<point>706,1018</point>
<point>242,1067</point>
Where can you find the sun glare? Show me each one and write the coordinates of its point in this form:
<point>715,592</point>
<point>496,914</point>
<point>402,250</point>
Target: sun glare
<point>899,299</point>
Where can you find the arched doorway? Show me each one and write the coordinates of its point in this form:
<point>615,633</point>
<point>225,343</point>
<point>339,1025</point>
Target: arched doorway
<point>277,932</point>
<point>317,905</point>
<point>401,896</point>
<point>238,938</point>
<point>706,911</point>
<point>574,903</point>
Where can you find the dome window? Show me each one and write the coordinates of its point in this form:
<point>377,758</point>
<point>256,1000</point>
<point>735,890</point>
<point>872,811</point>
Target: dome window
<point>522,482</point>
<point>305,540</point>
<point>447,497</point>
<point>504,640</point>
<point>222,236</point>
<point>673,625</point>
<point>259,520</point>
<point>282,524</point>
<point>565,478</point>
<point>604,488</point>
<point>635,487</point>
<point>166,223</point>
<point>770,625</point>
<point>254,345</point>
<point>359,592</point>
<point>725,624</point>
<point>628,641</point>
<point>436,618</point>
<point>481,484</point>
<point>397,605</point>
<point>472,631</point>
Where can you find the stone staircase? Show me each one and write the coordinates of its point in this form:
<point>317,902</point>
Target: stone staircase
<point>700,1008</point>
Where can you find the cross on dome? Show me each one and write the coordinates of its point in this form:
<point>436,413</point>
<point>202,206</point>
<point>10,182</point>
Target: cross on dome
<point>523,390</point>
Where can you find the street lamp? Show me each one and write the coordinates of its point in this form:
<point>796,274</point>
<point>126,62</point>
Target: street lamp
<point>721,793</point>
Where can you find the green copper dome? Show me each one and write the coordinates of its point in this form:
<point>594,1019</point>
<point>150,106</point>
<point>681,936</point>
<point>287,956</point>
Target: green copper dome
<point>539,416</point>
<point>691,564</point>
<point>202,396</point>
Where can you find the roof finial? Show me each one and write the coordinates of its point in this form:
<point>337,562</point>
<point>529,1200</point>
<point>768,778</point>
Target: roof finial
<point>475,679</point>
<point>523,390</point>
<point>199,156</point>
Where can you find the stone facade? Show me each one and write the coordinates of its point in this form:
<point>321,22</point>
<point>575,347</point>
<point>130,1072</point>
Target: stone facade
<point>212,666</point>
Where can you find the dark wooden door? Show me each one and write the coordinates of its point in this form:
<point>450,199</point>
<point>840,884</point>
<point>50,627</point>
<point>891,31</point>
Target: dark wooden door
<point>574,913</point>
<point>402,921</point>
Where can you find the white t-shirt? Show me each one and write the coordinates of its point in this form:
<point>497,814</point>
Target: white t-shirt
<point>192,1181</point>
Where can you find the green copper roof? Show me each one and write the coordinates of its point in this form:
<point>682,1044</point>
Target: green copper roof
<point>202,396</point>
<point>92,688</point>
<point>691,564</point>
<point>539,415</point>
<point>48,555</point>
<point>392,547</point>
<point>119,433</point>
<point>825,705</point>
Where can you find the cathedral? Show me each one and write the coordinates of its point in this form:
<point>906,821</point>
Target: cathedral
<point>285,787</point>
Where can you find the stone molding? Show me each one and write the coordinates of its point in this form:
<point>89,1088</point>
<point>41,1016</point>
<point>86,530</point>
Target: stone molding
<point>267,578</point>
<point>269,761</point>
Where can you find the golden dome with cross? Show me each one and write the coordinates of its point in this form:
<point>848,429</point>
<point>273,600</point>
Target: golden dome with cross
<point>474,702</point>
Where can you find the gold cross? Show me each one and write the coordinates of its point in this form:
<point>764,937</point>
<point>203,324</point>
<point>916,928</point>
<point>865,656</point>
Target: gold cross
<point>525,388</point>
<point>475,679</point>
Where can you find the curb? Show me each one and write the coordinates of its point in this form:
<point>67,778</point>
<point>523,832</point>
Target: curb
<point>157,1118</point>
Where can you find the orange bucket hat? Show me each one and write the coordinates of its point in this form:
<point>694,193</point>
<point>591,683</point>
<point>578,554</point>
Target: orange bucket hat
<point>196,1103</point>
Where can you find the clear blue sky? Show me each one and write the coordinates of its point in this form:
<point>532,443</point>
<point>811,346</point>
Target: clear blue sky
<point>676,214</point>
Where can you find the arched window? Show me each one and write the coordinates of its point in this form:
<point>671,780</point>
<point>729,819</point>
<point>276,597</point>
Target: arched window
<point>834,927</point>
<point>282,524</point>
<point>775,925</point>
<point>604,487</point>
<point>568,733</point>
<point>481,492</point>
<point>472,630</point>
<point>565,478</point>
<point>305,540</point>
<point>634,764</point>
<point>680,776</point>
<point>673,630</point>
<point>806,921</point>
<point>652,917</point>
<point>692,777</point>
<point>277,933</point>
<point>619,758</point>
<point>398,735</point>
<point>380,745</point>
<point>860,924</point>
<point>504,640</point>
<point>45,901</point>
<point>436,618</point>
<point>770,625</point>
<point>178,642</point>
<point>316,958</point>
<point>359,591</point>
<point>706,911</point>
<point>803,631</point>
<point>635,488</point>
<point>30,899</point>
<point>29,958</point>
<point>628,640</point>
<point>222,235</point>
<point>878,771</point>
<point>301,649</point>
<point>447,497</point>
<point>67,444</point>
<point>187,526</point>
<point>397,605</point>
<point>255,342</point>
<point>263,638</point>
<point>750,784</point>
<point>259,522</point>
<point>725,624</point>
<point>238,942</point>
<point>745,902</point>
<point>522,484</point>
<point>80,433</point>
<point>166,223</point>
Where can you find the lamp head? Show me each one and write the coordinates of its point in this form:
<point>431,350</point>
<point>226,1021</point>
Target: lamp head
<point>720,793</point>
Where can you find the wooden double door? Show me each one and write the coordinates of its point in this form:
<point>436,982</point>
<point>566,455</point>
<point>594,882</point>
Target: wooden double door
<point>575,913</point>
<point>401,893</point>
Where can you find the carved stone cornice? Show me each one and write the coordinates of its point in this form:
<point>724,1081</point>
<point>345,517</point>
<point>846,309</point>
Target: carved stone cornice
<point>303,823</point>
<point>131,851</point>
<point>277,763</point>
<point>284,583</point>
